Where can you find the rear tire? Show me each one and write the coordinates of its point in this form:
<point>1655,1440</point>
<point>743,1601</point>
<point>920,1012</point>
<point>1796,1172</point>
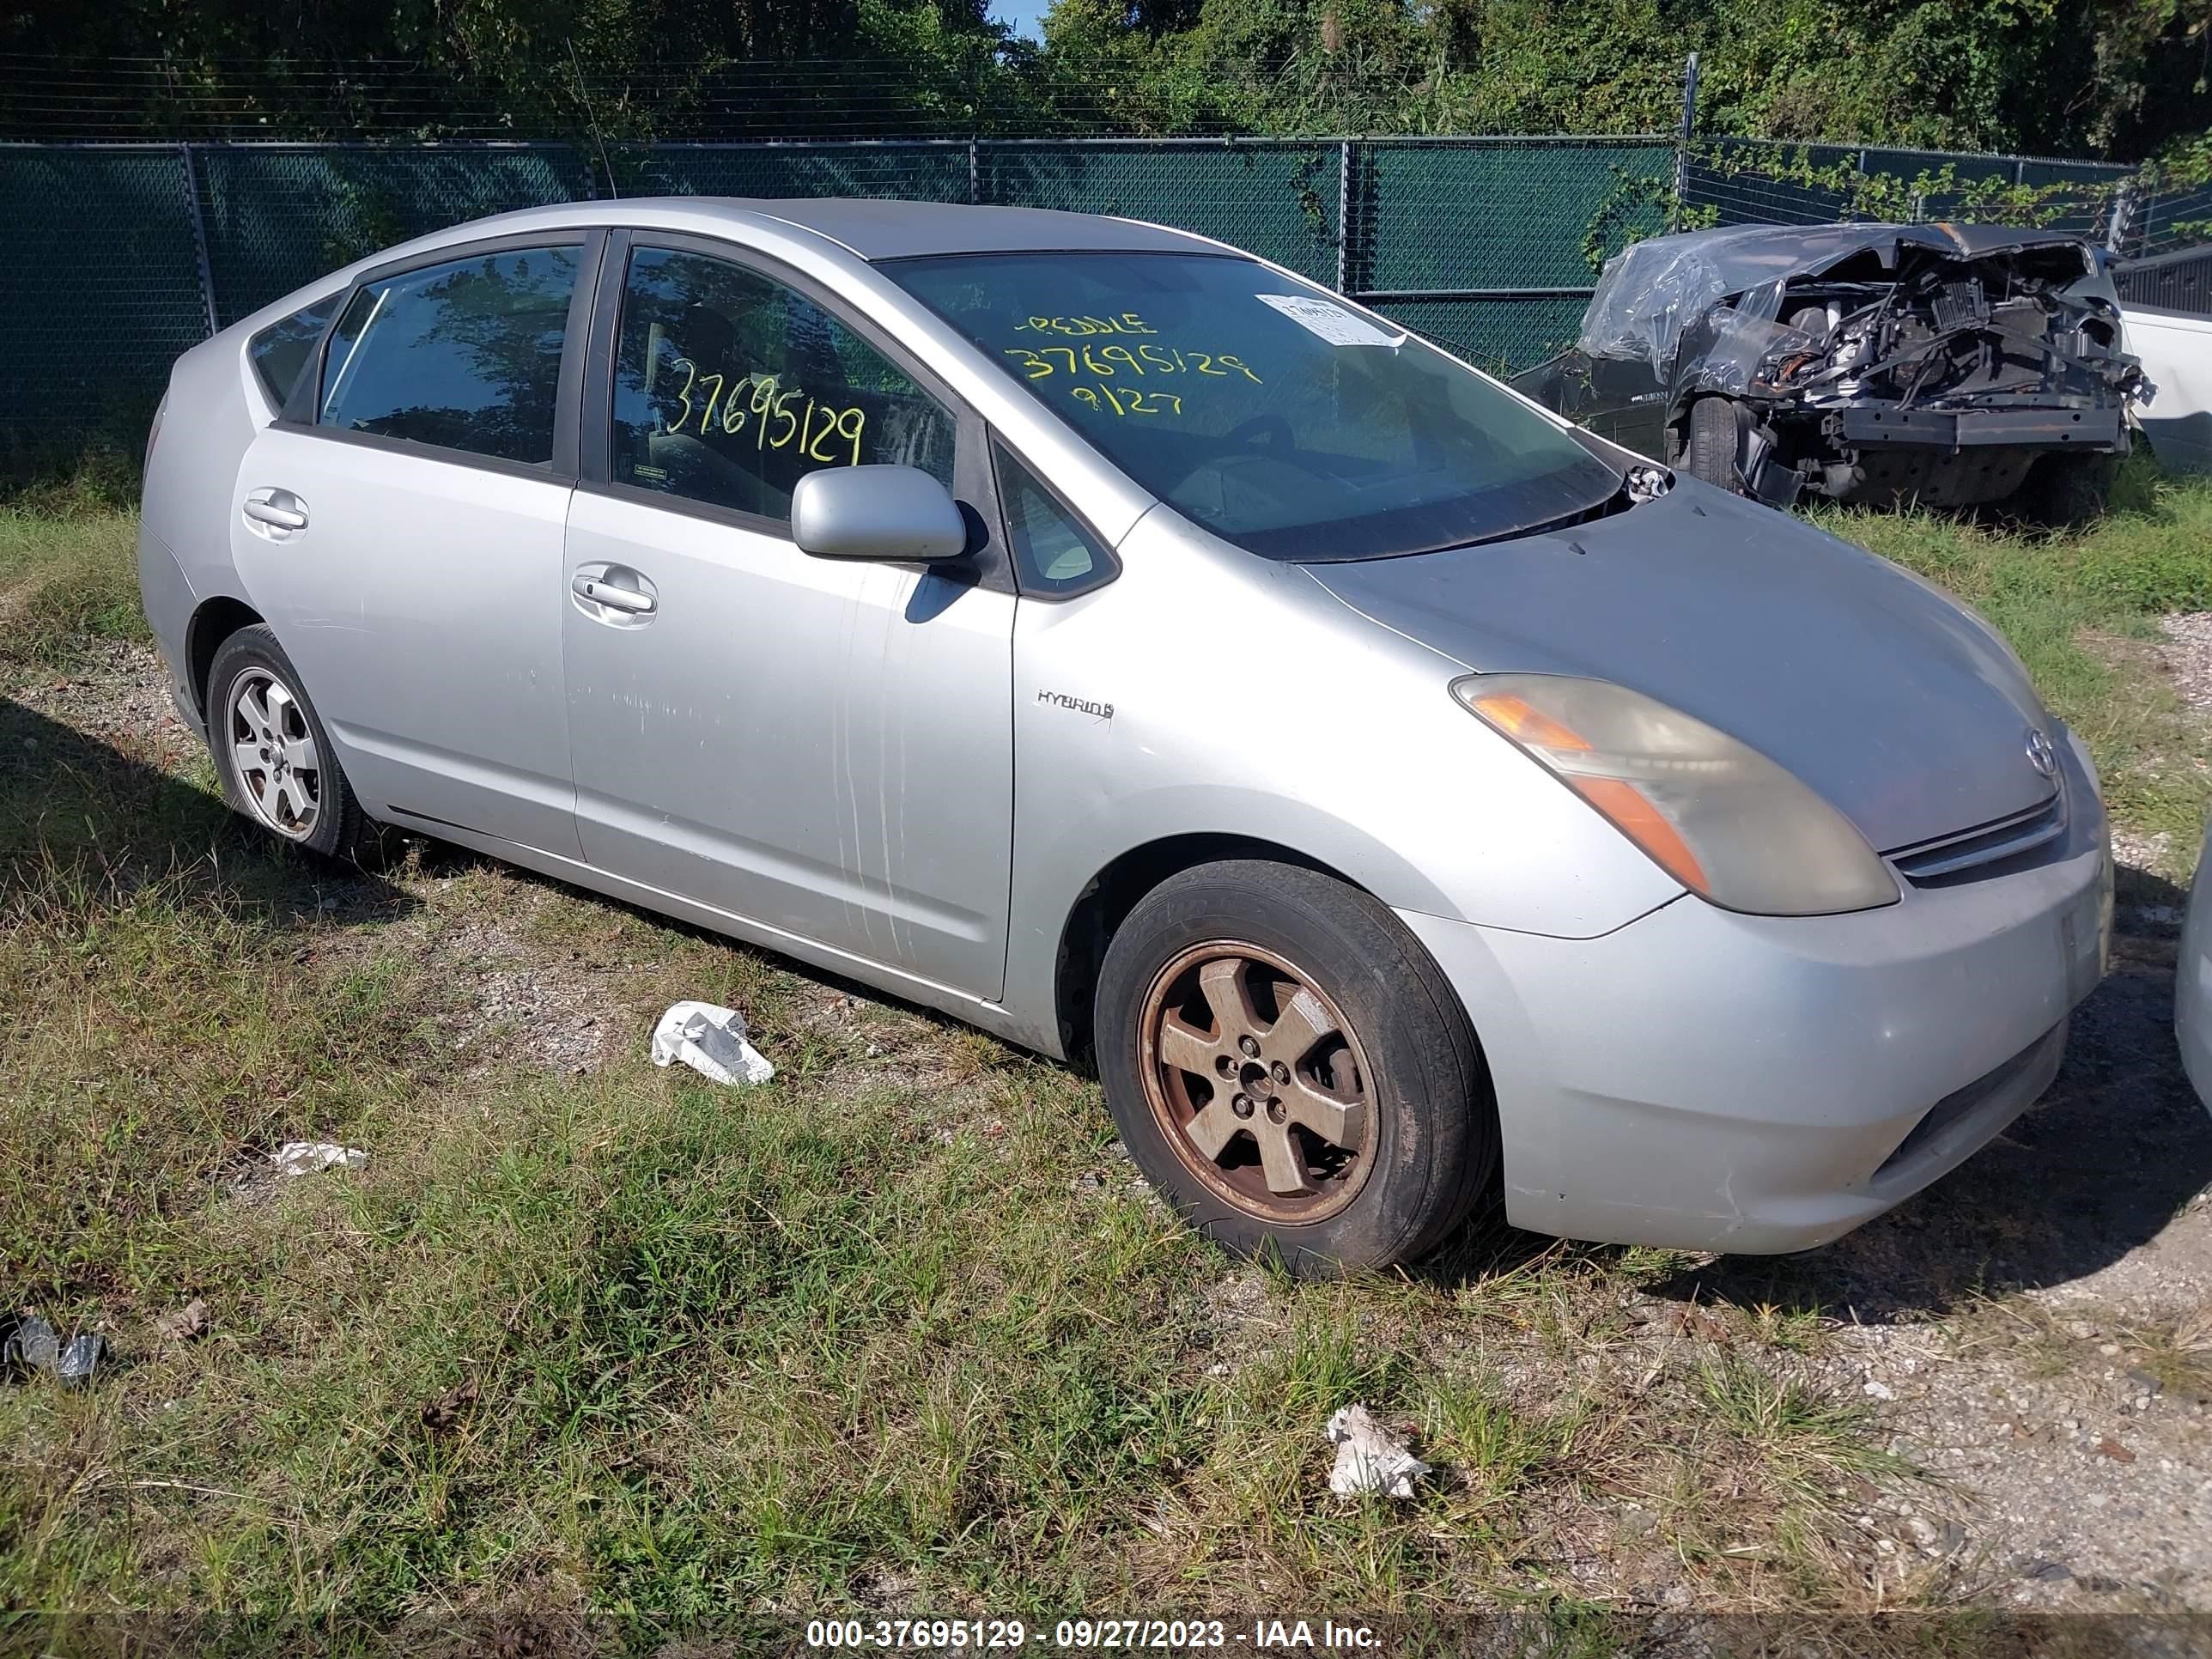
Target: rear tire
<point>1710,450</point>
<point>274,759</point>
<point>1291,1070</point>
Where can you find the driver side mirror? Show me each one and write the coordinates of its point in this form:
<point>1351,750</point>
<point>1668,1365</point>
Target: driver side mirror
<point>885,513</point>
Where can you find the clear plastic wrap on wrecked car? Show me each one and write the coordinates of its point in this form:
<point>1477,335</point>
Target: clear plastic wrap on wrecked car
<point>1653,294</point>
<point>1744,336</point>
<point>1648,294</point>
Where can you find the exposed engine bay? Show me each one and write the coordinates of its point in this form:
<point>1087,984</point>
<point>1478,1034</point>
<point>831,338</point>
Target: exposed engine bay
<point>1946,364</point>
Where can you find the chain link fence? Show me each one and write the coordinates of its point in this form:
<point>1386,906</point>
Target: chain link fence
<point>114,259</point>
<point>1732,181</point>
<point>102,283</point>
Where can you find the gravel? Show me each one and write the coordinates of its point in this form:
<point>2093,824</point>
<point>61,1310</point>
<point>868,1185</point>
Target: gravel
<point>2186,656</point>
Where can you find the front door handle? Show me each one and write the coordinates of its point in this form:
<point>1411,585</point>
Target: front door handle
<point>274,513</point>
<point>599,590</point>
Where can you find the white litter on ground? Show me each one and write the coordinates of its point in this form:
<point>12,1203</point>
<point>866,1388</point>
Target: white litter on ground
<point>711,1040</point>
<point>1369,1457</point>
<point>299,1157</point>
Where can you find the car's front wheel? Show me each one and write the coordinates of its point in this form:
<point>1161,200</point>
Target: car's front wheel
<point>271,752</point>
<point>1290,1069</point>
<point>1710,445</point>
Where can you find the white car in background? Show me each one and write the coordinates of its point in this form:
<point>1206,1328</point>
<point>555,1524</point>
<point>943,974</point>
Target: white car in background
<point>2175,350</point>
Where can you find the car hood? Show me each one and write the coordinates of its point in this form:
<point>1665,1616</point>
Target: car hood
<point>1888,697</point>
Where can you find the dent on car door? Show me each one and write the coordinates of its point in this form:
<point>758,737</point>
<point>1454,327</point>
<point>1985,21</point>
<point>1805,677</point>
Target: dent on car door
<point>401,530</point>
<point>821,748</point>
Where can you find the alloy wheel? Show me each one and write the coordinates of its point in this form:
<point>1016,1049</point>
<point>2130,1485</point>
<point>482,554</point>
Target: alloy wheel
<point>274,755</point>
<point>1259,1082</point>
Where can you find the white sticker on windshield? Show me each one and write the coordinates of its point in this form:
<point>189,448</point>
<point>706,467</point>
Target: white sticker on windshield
<point>1332,322</point>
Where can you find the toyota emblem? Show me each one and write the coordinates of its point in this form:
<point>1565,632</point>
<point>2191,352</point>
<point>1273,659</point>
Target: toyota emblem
<point>2040,754</point>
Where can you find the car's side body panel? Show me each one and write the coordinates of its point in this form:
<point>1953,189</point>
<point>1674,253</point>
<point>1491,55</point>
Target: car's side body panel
<point>1126,735</point>
<point>423,606</point>
<point>2175,347</point>
<point>820,745</point>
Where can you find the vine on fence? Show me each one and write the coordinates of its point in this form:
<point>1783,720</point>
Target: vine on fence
<point>1642,206</point>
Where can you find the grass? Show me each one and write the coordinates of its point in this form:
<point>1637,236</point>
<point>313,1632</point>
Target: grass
<point>68,575</point>
<point>605,1349</point>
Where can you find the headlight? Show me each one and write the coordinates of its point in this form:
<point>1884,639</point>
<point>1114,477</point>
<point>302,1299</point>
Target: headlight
<point>1721,819</point>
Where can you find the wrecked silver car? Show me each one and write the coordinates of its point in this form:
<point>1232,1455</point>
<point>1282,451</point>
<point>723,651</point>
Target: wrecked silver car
<point>1953,365</point>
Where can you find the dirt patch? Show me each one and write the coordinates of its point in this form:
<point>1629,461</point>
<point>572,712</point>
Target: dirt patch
<point>2185,654</point>
<point>115,692</point>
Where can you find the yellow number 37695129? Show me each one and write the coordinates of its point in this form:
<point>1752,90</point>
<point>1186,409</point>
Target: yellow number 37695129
<point>781,416</point>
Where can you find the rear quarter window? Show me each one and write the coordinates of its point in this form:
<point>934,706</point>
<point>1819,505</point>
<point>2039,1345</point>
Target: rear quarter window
<point>281,350</point>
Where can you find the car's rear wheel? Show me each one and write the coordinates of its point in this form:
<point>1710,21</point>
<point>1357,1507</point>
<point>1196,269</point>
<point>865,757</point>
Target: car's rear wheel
<point>1291,1069</point>
<point>270,751</point>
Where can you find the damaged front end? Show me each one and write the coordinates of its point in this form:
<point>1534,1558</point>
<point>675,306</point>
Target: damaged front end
<point>1870,363</point>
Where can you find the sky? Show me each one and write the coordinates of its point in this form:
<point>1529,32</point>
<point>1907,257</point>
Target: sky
<point>1021,15</point>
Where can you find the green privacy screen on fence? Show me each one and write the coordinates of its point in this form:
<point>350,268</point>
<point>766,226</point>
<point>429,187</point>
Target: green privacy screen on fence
<point>99,289</point>
<point>113,258</point>
<point>1277,200</point>
<point>106,262</point>
<point>278,216</point>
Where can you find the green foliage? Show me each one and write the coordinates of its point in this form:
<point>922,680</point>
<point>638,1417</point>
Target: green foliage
<point>1639,205</point>
<point>1940,192</point>
<point>2117,78</point>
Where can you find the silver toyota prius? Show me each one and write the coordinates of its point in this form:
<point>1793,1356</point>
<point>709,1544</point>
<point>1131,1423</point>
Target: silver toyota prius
<point>1126,646</point>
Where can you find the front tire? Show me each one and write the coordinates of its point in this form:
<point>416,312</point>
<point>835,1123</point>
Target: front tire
<point>1288,1066</point>
<point>1711,446</point>
<point>271,752</point>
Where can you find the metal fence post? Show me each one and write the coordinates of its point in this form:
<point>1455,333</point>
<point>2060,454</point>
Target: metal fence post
<point>975,173</point>
<point>1344,216</point>
<point>199,236</point>
<point>2124,213</point>
<point>1682,140</point>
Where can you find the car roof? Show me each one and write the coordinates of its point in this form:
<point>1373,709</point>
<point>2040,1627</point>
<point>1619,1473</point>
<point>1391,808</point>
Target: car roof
<point>868,229</point>
<point>851,228</point>
<point>878,229</point>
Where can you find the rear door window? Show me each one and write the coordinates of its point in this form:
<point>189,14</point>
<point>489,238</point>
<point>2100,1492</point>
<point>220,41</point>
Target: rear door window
<point>281,350</point>
<point>730,386</point>
<point>464,355</point>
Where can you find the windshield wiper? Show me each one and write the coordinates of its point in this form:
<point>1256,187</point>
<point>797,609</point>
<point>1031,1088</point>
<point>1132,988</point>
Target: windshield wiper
<point>1619,500</point>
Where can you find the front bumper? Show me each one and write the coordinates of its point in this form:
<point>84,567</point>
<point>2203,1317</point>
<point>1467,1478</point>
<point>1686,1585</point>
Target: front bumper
<point>2055,425</point>
<point>1700,1079</point>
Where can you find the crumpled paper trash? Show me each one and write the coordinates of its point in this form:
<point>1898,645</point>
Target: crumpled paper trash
<point>299,1157</point>
<point>711,1040</point>
<point>1369,1457</point>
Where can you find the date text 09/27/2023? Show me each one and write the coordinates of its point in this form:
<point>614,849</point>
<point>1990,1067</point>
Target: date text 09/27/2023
<point>1093,1635</point>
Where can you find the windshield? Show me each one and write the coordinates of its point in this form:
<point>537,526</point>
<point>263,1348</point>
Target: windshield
<point>1260,407</point>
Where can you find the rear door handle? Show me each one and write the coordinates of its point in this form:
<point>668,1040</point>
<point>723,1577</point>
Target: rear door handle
<point>599,590</point>
<point>275,513</point>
